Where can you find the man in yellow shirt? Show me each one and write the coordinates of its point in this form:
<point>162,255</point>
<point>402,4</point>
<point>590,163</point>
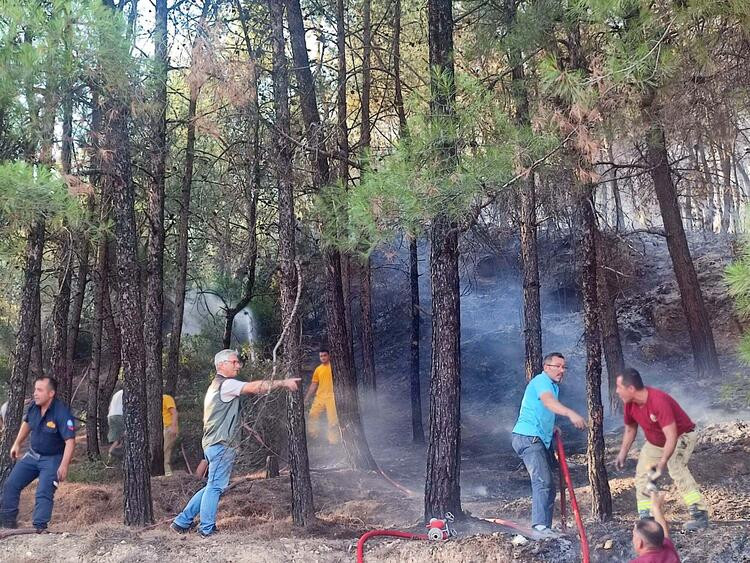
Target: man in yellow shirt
<point>169,417</point>
<point>321,388</point>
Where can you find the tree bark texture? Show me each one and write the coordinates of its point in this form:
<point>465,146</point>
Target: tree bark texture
<point>595,454</point>
<point>369,381</point>
<point>83,246</point>
<point>442,483</point>
<point>114,349</point>
<point>60,309</point>
<point>19,377</point>
<point>344,382</point>
<point>303,510</point>
<point>138,509</point>
<point>699,327</point>
<point>417,430</point>
<point>101,287</point>
<point>611,343</point>
<point>152,330</point>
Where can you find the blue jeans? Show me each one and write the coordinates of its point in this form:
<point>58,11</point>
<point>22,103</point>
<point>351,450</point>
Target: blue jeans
<point>205,502</point>
<point>536,458</point>
<point>28,468</point>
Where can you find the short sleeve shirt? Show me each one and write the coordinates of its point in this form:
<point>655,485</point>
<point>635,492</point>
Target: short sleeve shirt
<point>534,419</point>
<point>667,554</point>
<point>323,376</point>
<point>49,432</point>
<point>660,410</point>
<point>230,389</point>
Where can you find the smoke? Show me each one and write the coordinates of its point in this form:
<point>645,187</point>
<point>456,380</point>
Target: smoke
<point>205,315</point>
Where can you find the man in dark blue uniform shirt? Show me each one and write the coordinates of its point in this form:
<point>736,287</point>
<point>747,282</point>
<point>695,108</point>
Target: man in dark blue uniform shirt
<point>53,432</point>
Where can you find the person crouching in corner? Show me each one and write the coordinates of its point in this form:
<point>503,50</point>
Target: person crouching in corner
<point>532,436</point>
<point>50,424</point>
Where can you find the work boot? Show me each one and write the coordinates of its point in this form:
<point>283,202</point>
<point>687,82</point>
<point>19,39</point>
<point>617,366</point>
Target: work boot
<point>8,524</point>
<point>698,519</point>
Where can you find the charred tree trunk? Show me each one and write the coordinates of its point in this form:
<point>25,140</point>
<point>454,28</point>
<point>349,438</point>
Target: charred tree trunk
<point>699,327</point>
<point>107,385</point>
<point>19,377</point>
<point>601,497</point>
<point>116,172</point>
<point>60,309</point>
<point>303,510</point>
<point>369,381</point>
<point>92,398</point>
<point>611,343</point>
<point>442,483</point>
<point>417,431</point>
<point>345,384</point>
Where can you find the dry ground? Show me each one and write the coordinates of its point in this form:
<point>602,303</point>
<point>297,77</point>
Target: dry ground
<point>255,527</point>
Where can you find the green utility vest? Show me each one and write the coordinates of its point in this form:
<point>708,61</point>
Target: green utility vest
<point>221,420</point>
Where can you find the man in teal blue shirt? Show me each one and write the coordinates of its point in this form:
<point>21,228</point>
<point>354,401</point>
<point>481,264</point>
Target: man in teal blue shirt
<point>532,436</point>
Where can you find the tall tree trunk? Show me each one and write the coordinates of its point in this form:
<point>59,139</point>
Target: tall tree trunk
<point>152,329</point>
<point>83,245</point>
<point>59,354</point>
<point>114,348</point>
<point>138,508</point>
<point>183,227</point>
<point>345,385</point>
<point>415,371</point>
<point>532,315</point>
<point>699,327</point>
<point>611,343</point>
<point>601,496</point>
<point>344,382</point>
<point>710,209</point>
<point>303,510</point>
<point>442,483</point>
<point>92,399</point>
<point>369,381</point>
<point>365,269</point>
<point>19,377</point>
<point>417,431</point>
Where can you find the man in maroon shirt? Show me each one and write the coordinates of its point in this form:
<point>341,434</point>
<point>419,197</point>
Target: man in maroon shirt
<point>670,440</point>
<point>651,537</point>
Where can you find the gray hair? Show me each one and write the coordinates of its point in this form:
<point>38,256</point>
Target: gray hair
<point>225,356</point>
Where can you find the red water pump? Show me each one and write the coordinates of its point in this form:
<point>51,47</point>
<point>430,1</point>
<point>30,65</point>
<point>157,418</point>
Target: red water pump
<point>440,528</point>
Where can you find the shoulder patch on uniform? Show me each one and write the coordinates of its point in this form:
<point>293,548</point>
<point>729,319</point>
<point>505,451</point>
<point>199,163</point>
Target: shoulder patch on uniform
<point>70,425</point>
<point>51,424</point>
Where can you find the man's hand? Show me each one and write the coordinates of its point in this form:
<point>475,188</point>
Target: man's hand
<point>577,420</point>
<point>620,460</point>
<point>15,452</point>
<point>62,472</point>
<point>292,384</point>
<point>658,470</point>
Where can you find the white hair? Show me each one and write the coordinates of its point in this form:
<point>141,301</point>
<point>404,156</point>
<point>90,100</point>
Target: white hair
<point>225,356</point>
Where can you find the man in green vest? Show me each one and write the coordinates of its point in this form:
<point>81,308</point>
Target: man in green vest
<point>221,437</point>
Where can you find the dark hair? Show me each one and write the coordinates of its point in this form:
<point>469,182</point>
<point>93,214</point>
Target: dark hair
<point>630,376</point>
<point>51,381</point>
<point>551,355</point>
<point>651,531</point>
<point>324,351</point>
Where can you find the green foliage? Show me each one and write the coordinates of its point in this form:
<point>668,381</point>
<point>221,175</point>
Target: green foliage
<point>92,471</point>
<point>415,183</point>
<point>738,280</point>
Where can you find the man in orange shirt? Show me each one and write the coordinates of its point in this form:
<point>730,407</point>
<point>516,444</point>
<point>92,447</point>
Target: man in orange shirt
<point>169,417</point>
<point>321,388</point>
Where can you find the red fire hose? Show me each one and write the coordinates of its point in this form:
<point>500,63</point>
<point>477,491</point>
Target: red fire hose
<point>573,503</point>
<point>393,533</point>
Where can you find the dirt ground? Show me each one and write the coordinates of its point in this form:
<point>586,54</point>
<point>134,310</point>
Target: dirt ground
<point>254,523</point>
